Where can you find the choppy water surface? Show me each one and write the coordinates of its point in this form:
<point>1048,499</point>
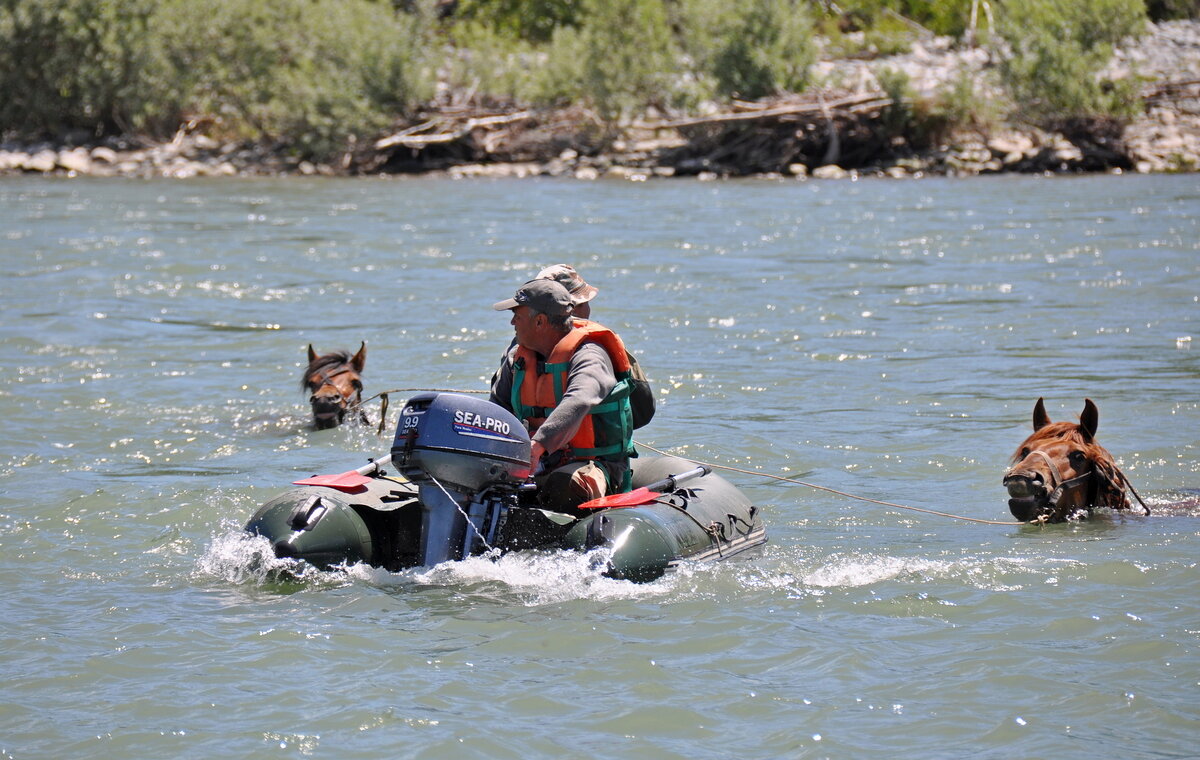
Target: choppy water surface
<point>883,338</point>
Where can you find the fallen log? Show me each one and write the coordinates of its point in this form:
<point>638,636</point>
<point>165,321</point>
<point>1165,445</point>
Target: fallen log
<point>410,138</point>
<point>853,104</point>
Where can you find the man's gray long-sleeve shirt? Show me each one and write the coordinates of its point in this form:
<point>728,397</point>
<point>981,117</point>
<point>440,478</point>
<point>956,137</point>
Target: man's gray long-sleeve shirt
<point>590,378</point>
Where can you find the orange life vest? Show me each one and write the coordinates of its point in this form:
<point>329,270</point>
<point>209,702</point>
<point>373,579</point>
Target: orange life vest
<point>607,431</point>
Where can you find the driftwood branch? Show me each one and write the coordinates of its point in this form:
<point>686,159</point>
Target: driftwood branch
<point>410,138</point>
<point>1172,90</point>
<point>854,104</point>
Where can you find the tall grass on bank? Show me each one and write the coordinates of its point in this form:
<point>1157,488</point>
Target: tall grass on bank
<point>308,74</point>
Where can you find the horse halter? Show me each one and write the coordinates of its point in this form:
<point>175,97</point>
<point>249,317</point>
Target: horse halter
<point>325,376</point>
<point>1047,503</point>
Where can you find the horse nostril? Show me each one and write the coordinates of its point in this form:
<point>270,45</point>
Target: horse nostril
<point>1024,484</point>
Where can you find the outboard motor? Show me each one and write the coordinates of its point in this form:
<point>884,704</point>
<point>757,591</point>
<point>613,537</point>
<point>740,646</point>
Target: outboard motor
<point>468,458</point>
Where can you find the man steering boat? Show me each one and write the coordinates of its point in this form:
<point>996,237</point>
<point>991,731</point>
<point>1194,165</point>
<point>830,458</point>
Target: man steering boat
<point>568,379</point>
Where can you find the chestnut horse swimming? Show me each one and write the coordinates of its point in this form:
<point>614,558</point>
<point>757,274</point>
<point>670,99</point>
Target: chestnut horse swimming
<point>335,384</point>
<point>1060,472</point>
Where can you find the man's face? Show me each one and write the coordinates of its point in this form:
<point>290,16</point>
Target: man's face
<point>524,322</point>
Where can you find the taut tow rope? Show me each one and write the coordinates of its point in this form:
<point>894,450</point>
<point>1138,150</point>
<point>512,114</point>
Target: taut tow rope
<point>834,490</point>
<point>383,404</point>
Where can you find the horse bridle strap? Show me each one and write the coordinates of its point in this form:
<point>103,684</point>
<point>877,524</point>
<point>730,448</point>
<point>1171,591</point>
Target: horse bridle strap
<point>325,375</point>
<point>1055,474</point>
<point>1057,484</point>
<point>1060,486</point>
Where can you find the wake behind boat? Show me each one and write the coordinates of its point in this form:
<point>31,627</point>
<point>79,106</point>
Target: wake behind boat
<point>462,488</point>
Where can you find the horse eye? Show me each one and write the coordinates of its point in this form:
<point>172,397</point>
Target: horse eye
<point>1024,452</point>
<point>1077,456</point>
<point>357,384</point>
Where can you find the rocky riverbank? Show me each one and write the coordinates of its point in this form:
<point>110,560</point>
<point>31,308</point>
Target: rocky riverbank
<point>838,128</point>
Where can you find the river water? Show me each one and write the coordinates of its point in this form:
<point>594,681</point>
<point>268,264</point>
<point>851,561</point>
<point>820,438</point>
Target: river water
<point>884,338</point>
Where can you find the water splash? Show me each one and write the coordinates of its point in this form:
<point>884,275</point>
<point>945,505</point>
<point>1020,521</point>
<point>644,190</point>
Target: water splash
<point>532,578</point>
<point>240,558</point>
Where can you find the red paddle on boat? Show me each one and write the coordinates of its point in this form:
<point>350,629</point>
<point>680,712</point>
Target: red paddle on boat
<point>645,494</point>
<point>352,480</point>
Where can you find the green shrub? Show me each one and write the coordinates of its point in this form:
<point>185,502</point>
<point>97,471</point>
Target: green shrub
<point>1166,10</point>
<point>80,64</point>
<point>945,17</point>
<point>749,49</point>
<point>626,55</point>
<point>923,122</point>
<point>898,118</point>
<point>485,62</point>
<point>562,76</point>
<point>529,20</point>
<point>311,73</point>
<point>961,105</point>
<point>1058,48</point>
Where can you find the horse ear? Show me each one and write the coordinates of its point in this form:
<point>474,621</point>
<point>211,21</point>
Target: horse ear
<point>1090,419</point>
<point>360,359</point>
<point>1040,418</point>
<point>312,355</point>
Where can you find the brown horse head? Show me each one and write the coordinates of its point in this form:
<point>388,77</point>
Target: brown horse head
<point>1060,471</point>
<point>335,384</point>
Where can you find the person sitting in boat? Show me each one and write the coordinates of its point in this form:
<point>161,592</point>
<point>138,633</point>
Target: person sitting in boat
<point>641,394</point>
<point>569,278</point>
<point>568,380</point>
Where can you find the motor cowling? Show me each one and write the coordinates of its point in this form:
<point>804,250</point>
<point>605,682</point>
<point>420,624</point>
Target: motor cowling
<point>460,441</point>
<point>467,457</point>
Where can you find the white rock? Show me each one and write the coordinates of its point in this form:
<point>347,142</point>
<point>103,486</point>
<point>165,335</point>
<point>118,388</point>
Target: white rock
<point>1068,153</point>
<point>43,161</point>
<point>830,171</point>
<point>76,160</point>
<point>1014,143</point>
<point>107,155</point>
<point>631,173</point>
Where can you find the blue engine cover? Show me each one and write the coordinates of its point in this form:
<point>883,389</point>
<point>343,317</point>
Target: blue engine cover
<point>461,441</point>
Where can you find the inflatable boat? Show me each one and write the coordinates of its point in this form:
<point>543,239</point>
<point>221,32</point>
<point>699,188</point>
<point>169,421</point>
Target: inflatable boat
<point>462,487</point>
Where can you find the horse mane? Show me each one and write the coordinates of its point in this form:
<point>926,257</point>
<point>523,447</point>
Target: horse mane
<point>332,359</point>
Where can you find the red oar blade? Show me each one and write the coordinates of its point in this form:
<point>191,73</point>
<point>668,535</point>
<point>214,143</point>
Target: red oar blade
<point>346,481</point>
<point>634,498</point>
<point>351,481</point>
<point>646,494</point>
